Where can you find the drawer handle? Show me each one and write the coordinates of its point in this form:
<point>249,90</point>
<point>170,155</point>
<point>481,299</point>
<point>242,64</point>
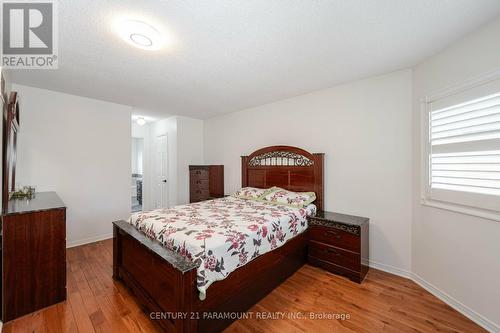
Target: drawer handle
<point>198,182</point>
<point>332,251</point>
<point>332,233</point>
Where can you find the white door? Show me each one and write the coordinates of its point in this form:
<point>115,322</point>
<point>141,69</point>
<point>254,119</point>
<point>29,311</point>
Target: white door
<point>161,172</point>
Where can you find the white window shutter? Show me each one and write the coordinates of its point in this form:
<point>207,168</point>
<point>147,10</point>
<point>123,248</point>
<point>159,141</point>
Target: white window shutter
<point>464,150</point>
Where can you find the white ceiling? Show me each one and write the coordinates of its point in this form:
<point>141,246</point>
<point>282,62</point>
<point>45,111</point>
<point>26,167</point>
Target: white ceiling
<point>228,55</point>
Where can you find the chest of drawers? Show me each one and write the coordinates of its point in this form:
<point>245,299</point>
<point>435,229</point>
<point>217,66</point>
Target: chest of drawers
<point>205,182</point>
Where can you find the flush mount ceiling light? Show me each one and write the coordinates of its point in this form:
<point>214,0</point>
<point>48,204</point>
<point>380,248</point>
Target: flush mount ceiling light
<point>140,34</point>
<point>141,121</point>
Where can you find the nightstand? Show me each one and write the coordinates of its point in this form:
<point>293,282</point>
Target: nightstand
<point>339,244</point>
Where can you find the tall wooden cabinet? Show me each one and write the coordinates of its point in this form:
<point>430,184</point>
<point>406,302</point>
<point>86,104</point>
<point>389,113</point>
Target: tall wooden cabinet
<point>206,182</point>
<point>33,255</point>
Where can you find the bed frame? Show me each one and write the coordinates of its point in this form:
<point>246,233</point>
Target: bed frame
<point>164,283</point>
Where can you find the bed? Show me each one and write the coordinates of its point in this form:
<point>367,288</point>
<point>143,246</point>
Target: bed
<point>201,279</point>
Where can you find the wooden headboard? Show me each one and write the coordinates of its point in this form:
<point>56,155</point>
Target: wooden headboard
<point>287,167</point>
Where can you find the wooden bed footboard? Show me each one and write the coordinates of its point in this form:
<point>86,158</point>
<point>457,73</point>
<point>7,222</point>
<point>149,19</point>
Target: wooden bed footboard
<point>164,283</point>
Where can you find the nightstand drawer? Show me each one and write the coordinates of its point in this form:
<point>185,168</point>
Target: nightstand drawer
<point>335,237</point>
<point>335,255</point>
<point>336,269</point>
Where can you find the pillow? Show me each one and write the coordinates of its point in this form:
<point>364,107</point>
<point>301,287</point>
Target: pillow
<point>250,193</point>
<point>294,199</point>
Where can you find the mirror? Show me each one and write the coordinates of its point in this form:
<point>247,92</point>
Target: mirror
<point>10,129</point>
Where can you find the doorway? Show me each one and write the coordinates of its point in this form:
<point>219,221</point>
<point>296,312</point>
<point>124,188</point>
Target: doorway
<point>137,173</point>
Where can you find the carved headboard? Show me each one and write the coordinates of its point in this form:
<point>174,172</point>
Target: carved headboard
<point>287,167</point>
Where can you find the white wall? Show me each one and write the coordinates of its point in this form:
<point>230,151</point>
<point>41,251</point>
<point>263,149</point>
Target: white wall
<point>8,82</point>
<point>364,128</point>
<point>80,148</point>
<point>458,254</point>
<point>189,152</point>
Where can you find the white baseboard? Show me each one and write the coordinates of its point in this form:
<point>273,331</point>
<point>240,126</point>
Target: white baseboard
<point>455,304</point>
<point>88,240</point>
<point>391,269</point>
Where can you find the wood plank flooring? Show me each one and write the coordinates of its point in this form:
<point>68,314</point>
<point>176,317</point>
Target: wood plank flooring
<point>383,302</point>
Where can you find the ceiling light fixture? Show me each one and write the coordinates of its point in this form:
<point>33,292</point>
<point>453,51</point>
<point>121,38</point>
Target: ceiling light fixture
<point>140,34</point>
<point>141,121</point>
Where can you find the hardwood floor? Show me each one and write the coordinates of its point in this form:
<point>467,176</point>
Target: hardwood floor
<point>383,302</point>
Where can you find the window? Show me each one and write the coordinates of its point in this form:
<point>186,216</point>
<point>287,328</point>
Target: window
<point>462,153</point>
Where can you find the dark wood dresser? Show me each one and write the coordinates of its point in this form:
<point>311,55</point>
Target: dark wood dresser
<point>206,182</point>
<point>339,244</point>
<point>33,254</point>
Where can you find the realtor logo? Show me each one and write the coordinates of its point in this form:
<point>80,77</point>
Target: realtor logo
<point>29,34</point>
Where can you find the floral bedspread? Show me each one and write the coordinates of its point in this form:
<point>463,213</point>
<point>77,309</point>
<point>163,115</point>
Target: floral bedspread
<point>223,234</point>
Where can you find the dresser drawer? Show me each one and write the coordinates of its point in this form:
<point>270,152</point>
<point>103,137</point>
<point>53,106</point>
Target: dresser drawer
<point>199,174</point>
<point>197,198</point>
<point>335,237</point>
<point>199,184</point>
<point>335,255</point>
<point>200,192</point>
